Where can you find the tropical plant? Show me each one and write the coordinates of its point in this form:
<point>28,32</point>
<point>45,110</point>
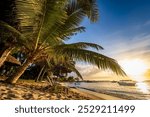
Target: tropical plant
<point>90,8</point>
<point>46,24</point>
<point>7,38</point>
<point>10,39</point>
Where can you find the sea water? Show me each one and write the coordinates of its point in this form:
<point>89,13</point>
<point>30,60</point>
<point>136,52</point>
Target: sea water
<point>141,90</point>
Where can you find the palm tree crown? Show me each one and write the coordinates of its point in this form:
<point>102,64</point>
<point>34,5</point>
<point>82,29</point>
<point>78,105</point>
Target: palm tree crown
<point>46,24</point>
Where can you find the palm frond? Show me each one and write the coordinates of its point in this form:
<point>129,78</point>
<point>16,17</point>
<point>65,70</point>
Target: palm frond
<point>55,16</point>
<point>66,34</point>
<point>75,16</point>
<point>81,45</point>
<point>90,8</point>
<point>20,38</point>
<point>76,13</point>
<point>10,29</point>
<point>27,12</point>
<point>38,18</point>
<point>75,70</point>
<point>101,61</point>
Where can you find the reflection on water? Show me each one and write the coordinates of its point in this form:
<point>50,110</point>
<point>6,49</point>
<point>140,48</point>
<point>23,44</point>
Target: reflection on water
<point>140,91</point>
<point>143,87</point>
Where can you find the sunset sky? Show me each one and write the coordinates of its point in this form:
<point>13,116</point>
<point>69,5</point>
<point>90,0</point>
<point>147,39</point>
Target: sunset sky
<point>124,31</point>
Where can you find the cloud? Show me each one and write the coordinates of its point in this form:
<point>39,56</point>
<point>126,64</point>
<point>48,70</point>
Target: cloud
<point>135,46</point>
<point>124,48</point>
<point>147,74</point>
<point>90,72</point>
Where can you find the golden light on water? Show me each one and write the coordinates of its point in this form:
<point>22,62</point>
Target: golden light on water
<point>143,87</point>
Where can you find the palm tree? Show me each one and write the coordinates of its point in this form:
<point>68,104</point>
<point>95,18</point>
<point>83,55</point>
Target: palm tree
<point>6,37</point>
<point>46,24</point>
<point>89,8</point>
<point>10,38</point>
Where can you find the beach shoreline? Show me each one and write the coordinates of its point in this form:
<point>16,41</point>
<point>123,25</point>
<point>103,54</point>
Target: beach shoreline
<point>105,93</point>
<point>92,94</point>
<point>42,91</point>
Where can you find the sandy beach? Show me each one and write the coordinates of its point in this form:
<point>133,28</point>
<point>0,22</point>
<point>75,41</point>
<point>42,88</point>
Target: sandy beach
<point>38,91</point>
<point>42,91</point>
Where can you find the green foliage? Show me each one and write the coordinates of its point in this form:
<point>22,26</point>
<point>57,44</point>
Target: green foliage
<point>90,8</point>
<point>39,19</point>
<point>46,24</point>
<point>76,53</point>
<point>71,79</point>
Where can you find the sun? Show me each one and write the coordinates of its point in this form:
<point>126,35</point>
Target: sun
<point>134,67</point>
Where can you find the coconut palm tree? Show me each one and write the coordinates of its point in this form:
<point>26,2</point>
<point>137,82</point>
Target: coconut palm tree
<point>46,24</point>
<point>89,8</point>
<point>7,38</point>
<point>10,38</point>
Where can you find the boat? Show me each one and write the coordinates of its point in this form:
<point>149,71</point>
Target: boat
<point>127,82</point>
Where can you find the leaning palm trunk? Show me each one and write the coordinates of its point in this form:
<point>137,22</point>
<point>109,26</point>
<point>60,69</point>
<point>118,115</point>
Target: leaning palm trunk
<point>21,70</point>
<point>4,56</point>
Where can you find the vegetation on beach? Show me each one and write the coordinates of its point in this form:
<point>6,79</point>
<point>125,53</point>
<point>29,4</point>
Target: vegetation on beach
<point>36,36</point>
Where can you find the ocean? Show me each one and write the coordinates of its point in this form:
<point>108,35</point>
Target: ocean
<point>141,90</point>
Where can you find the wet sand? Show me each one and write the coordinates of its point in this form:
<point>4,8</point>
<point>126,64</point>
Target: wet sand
<point>95,95</point>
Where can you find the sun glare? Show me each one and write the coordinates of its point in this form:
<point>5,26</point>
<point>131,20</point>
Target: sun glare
<point>135,67</point>
<point>143,87</point>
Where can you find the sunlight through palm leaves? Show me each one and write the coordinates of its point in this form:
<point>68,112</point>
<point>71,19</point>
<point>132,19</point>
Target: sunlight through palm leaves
<point>46,24</point>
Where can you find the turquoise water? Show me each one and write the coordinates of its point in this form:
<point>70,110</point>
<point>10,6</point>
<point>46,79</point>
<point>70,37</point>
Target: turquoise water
<point>141,91</point>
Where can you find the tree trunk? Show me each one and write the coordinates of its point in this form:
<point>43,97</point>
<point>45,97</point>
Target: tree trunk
<point>50,81</point>
<point>42,76</point>
<point>20,70</point>
<point>37,79</point>
<point>5,55</point>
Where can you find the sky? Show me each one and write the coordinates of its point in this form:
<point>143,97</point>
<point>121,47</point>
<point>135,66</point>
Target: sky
<point>123,29</point>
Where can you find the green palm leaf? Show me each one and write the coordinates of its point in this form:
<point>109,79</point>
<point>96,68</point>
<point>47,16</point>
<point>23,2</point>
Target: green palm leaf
<point>90,8</point>
<point>21,39</point>
<point>74,70</point>
<point>38,18</point>
<point>66,34</point>
<point>75,16</point>
<point>81,45</point>
<point>10,29</point>
<point>101,61</point>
